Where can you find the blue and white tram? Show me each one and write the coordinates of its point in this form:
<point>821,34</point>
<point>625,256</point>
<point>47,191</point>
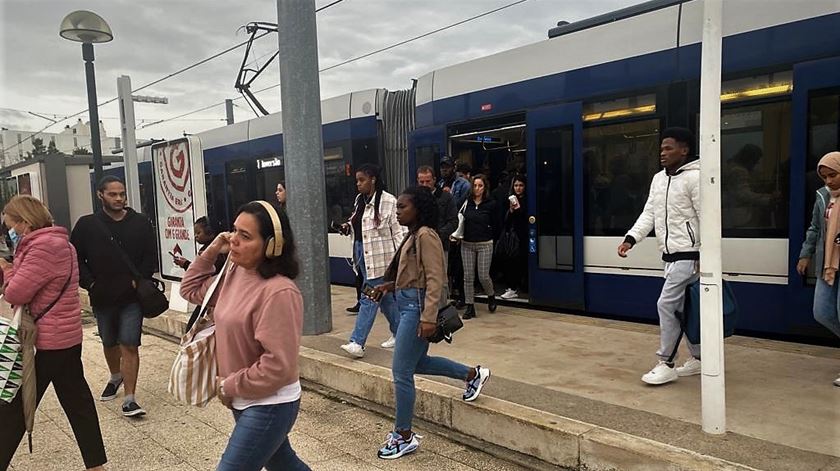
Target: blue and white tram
<point>581,113</point>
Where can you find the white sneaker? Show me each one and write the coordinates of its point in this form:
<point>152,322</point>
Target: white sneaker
<point>355,350</point>
<point>389,343</point>
<point>689,368</point>
<point>509,294</point>
<point>837,381</point>
<point>660,374</point>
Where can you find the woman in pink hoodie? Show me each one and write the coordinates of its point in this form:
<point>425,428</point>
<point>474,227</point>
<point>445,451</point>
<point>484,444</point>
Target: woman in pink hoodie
<point>45,276</point>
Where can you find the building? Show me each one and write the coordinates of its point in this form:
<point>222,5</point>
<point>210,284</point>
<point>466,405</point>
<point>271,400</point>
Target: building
<point>15,146</point>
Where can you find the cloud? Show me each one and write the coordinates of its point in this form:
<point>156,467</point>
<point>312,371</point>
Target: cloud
<point>43,72</point>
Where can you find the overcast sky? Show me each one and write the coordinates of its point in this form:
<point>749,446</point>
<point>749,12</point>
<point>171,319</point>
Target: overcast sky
<point>43,73</point>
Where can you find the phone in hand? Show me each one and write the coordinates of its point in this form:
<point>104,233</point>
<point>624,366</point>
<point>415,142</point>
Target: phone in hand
<point>371,293</point>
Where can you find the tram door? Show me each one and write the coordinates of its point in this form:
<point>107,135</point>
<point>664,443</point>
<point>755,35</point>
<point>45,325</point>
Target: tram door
<point>426,147</point>
<point>555,202</point>
<point>815,132</point>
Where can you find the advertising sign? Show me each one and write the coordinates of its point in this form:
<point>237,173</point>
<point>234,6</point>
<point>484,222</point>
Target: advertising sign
<point>179,200</point>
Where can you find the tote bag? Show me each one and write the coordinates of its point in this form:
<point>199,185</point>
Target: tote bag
<point>192,379</point>
<point>11,356</point>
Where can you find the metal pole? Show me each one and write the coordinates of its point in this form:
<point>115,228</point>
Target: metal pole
<point>303,153</point>
<point>229,110</point>
<point>93,109</point>
<point>711,274</point>
<point>132,177</point>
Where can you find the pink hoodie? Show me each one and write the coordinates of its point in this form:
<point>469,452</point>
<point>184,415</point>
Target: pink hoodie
<point>43,261</point>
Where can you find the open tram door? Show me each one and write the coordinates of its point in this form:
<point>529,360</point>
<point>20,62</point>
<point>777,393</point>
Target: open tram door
<point>815,131</point>
<point>555,202</point>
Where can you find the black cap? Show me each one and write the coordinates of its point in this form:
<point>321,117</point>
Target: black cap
<point>447,160</point>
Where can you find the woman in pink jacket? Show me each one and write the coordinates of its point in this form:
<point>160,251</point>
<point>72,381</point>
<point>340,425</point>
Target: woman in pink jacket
<point>45,276</point>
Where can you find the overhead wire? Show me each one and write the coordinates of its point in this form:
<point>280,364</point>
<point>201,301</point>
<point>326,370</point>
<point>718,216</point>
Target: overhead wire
<point>377,51</point>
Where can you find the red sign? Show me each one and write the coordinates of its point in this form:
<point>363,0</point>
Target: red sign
<point>487,107</point>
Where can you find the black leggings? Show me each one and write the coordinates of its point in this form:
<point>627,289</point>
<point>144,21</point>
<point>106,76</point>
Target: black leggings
<point>62,368</point>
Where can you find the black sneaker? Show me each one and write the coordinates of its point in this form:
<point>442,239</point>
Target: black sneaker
<point>132,409</point>
<point>110,391</point>
<point>354,309</point>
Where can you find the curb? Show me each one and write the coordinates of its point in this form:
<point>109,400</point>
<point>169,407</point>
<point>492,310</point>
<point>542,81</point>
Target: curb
<point>553,439</point>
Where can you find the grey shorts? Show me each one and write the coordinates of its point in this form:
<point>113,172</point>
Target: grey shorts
<point>119,325</point>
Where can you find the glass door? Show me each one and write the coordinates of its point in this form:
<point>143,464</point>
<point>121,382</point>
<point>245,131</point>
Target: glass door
<point>426,147</point>
<point>555,231</point>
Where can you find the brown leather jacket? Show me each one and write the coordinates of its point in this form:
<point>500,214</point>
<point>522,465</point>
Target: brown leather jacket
<point>419,264</point>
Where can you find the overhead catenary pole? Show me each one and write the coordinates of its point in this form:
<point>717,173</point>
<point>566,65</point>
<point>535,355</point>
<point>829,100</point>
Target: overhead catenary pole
<point>711,274</point>
<point>129,142</point>
<point>93,110</point>
<point>303,152</point>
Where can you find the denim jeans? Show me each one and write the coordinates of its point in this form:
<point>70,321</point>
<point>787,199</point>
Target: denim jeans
<point>826,310</point>
<point>368,307</point>
<point>260,439</point>
<point>411,357</point>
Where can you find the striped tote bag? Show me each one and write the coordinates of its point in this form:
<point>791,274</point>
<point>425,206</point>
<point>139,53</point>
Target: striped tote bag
<point>192,379</point>
<point>11,356</point>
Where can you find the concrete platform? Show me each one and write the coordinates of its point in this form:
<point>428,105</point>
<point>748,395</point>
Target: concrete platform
<point>566,390</point>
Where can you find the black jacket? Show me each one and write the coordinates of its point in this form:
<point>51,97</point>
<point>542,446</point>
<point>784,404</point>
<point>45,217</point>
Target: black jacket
<point>102,270</point>
<point>481,222</point>
<point>447,217</point>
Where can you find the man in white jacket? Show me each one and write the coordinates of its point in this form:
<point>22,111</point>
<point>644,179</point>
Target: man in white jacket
<point>673,212</point>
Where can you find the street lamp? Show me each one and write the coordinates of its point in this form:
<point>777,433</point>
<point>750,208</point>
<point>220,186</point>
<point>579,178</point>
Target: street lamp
<point>87,28</point>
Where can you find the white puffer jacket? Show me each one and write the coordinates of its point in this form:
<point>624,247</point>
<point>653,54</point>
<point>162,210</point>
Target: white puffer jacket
<point>673,211</point>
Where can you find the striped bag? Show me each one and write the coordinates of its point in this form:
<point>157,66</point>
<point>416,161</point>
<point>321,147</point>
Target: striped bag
<point>11,356</point>
<point>192,379</point>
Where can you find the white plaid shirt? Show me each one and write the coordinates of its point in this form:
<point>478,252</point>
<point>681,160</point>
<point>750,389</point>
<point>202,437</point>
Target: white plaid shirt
<point>380,242</point>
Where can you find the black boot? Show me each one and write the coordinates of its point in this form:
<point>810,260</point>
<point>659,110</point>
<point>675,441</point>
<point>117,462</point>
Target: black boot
<point>469,313</point>
<point>491,303</point>
<point>459,304</point>
<point>354,309</point>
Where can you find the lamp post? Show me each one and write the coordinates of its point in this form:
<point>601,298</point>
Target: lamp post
<point>88,28</point>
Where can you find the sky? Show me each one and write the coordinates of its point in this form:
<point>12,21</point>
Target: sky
<point>44,73</point>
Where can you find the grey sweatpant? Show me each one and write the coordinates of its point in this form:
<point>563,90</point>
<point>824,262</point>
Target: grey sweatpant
<point>678,275</point>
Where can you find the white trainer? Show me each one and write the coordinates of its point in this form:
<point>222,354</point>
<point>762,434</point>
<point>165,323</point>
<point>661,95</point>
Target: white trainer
<point>689,368</point>
<point>660,374</point>
<point>509,294</point>
<point>837,381</point>
<point>389,343</point>
<point>355,350</point>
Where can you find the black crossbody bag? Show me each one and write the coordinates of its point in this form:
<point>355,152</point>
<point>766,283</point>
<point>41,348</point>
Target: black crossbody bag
<point>150,291</point>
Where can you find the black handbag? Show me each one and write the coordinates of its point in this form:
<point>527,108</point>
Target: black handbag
<point>150,291</point>
<point>507,248</point>
<point>448,322</point>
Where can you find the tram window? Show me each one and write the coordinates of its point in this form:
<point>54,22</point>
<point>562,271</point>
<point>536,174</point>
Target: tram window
<point>241,185</point>
<point>823,137</point>
<point>428,155</point>
<point>555,198</point>
<point>755,170</point>
<point>619,161</point>
<point>216,202</point>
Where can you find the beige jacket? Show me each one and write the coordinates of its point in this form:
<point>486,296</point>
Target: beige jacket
<point>421,266</point>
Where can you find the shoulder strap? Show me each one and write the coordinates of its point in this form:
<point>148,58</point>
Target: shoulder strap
<point>110,236</point>
<point>60,294</point>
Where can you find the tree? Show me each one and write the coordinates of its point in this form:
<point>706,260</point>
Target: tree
<point>81,151</point>
<point>38,148</point>
<point>52,149</point>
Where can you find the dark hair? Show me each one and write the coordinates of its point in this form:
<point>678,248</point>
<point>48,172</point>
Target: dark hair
<point>464,168</point>
<point>518,178</point>
<point>682,136</point>
<point>287,263</point>
<point>425,204</point>
<point>108,179</point>
<point>426,169</point>
<point>479,176</point>
<point>204,223</point>
<point>373,171</point>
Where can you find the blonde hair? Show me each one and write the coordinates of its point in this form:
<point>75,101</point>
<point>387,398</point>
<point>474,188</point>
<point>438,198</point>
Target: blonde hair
<point>25,208</point>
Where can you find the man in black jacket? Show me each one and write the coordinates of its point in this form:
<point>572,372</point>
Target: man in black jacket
<point>447,212</point>
<point>99,239</point>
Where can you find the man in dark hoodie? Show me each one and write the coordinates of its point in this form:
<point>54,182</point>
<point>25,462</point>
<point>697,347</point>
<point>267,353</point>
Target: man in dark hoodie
<point>99,239</point>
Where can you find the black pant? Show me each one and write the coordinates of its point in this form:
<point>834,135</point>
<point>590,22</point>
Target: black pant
<point>455,272</point>
<point>62,368</point>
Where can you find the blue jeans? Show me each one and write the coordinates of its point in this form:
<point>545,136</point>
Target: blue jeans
<point>260,440</point>
<point>368,307</point>
<point>411,357</point>
<point>826,310</point>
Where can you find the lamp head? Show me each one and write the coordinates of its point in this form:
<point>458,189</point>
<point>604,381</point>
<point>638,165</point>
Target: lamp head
<point>85,27</point>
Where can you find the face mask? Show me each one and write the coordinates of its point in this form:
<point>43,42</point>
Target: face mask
<point>14,236</point>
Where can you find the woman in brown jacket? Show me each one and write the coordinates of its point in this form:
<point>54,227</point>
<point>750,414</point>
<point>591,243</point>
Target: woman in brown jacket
<point>417,273</point>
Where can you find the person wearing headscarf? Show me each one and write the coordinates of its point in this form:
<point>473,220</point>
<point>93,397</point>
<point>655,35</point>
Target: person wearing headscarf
<point>822,242</point>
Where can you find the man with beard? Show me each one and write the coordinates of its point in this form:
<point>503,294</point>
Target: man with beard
<point>99,238</point>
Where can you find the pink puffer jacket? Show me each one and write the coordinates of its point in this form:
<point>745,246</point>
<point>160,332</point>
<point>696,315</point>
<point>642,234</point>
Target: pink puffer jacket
<point>43,261</point>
